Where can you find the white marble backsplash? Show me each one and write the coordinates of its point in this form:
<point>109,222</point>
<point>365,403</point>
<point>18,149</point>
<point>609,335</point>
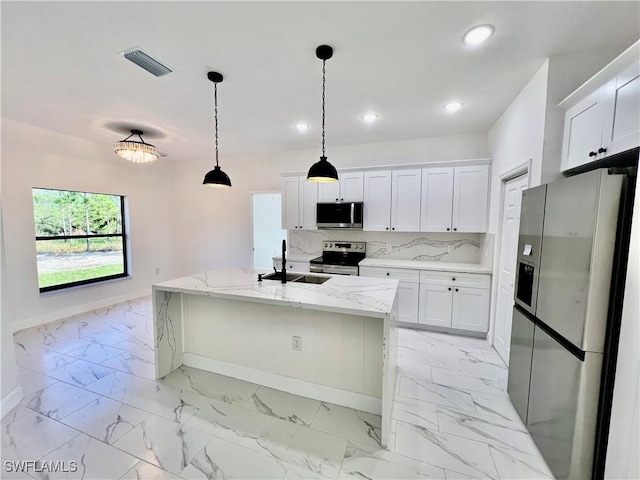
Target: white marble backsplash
<point>428,247</point>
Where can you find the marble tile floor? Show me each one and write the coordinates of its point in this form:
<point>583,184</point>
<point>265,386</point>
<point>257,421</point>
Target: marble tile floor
<point>90,398</point>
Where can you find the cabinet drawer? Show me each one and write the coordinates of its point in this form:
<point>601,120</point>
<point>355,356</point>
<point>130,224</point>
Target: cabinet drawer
<point>292,266</point>
<point>474,280</point>
<point>411,276</point>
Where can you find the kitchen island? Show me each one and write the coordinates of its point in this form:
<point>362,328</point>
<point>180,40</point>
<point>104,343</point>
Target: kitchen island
<point>334,342</point>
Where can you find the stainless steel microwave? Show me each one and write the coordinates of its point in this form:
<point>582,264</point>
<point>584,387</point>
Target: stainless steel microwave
<point>339,215</point>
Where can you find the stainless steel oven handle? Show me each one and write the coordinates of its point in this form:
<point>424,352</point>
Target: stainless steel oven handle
<point>353,207</point>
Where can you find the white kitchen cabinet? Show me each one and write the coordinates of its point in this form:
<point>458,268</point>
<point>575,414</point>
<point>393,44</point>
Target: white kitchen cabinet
<point>470,309</point>
<point>622,116</point>
<point>436,304</point>
<point>292,266</point>
<point>377,201</point>
<point>454,199</point>
<point>408,289</point>
<point>437,199</point>
<point>451,300</point>
<point>604,122</point>
<point>299,198</point>
<point>405,200</point>
<point>470,198</point>
<point>350,188</point>
<point>392,200</point>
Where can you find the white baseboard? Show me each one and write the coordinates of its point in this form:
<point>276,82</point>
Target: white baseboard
<point>296,386</point>
<point>78,309</point>
<point>11,400</point>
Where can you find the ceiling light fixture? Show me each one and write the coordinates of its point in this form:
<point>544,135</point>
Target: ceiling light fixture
<point>302,127</point>
<point>369,117</point>
<point>136,151</point>
<point>323,171</point>
<point>478,34</point>
<point>216,177</point>
<point>453,106</point>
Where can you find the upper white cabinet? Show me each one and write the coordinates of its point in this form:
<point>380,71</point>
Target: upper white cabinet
<point>603,116</point>
<point>454,199</point>
<point>622,117</point>
<point>377,200</point>
<point>392,200</point>
<point>350,188</point>
<point>405,200</point>
<point>299,198</point>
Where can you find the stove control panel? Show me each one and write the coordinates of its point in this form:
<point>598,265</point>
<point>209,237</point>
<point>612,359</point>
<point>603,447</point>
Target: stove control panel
<point>341,246</point>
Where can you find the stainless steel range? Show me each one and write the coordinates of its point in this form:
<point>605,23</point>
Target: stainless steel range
<point>340,258</point>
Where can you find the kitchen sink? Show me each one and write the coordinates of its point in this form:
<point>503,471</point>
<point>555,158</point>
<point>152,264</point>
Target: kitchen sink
<point>296,278</point>
<point>311,279</point>
<point>278,276</point>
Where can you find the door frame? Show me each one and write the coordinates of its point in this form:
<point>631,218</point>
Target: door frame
<point>251,194</point>
<point>516,171</point>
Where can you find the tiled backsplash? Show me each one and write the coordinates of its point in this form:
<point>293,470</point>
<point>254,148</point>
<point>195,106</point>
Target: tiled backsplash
<point>428,247</point>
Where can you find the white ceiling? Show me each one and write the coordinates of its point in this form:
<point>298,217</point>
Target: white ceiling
<point>61,68</point>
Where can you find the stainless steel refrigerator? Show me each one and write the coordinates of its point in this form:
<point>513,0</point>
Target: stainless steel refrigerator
<point>573,245</point>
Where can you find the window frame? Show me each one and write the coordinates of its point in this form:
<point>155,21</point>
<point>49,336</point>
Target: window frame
<point>122,235</point>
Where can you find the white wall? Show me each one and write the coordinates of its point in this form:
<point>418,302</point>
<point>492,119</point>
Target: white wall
<point>623,459</point>
<point>34,157</point>
<point>8,376</point>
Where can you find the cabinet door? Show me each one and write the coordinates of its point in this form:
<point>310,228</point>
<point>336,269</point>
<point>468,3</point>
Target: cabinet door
<point>435,305</point>
<point>352,187</point>
<point>583,125</point>
<point>436,199</point>
<point>470,198</point>
<point>470,309</point>
<point>328,192</point>
<point>377,200</point>
<point>405,200</point>
<point>308,200</point>
<point>408,294</point>
<point>290,203</point>
<point>622,122</point>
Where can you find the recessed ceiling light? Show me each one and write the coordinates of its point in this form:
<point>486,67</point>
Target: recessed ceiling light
<point>478,34</point>
<point>302,127</point>
<point>453,106</point>
<point>369,117</point>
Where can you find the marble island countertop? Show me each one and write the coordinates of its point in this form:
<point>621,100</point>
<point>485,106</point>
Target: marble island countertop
<point>421,265</point>
<point>373,297</point>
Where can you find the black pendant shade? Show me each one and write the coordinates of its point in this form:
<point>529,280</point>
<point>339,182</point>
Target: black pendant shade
<point>216,177</point>
<point>322,171</point>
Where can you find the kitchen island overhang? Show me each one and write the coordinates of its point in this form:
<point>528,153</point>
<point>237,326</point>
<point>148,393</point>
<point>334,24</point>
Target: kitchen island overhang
<point>227,322</point>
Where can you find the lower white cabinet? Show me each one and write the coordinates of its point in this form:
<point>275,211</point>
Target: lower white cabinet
<point>292,266</point>
<point>408,289</point>
<point>454,300</point>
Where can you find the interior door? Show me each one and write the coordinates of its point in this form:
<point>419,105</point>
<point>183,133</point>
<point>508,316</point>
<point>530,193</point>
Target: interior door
<point>507,268</point>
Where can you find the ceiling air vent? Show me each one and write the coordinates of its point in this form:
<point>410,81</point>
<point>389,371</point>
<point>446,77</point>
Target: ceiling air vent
<point>146,61</point>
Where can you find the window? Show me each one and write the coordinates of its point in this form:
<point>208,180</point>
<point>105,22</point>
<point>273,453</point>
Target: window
<point>80,238</point>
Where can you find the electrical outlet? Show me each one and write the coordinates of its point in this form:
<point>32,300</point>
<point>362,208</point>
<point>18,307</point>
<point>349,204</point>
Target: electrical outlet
<point>157,271</point>
<point>297,343</point>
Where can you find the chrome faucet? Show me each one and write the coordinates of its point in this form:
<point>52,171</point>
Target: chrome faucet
<point>284,261</point>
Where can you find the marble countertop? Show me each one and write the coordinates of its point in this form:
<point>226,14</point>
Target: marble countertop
<point>372,297</point>
<point>432,266</point>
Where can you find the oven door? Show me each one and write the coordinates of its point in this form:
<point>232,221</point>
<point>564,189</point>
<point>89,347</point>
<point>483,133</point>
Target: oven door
<point>333,269</point>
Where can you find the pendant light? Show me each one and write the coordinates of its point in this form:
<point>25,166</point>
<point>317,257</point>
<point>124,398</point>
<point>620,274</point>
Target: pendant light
<point>323,171</point>
<point>136,151</point>
<point>216,177</point>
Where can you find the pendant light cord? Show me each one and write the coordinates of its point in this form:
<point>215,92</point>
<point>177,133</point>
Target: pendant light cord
<point>323,89</point>
<point>215,115</point>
